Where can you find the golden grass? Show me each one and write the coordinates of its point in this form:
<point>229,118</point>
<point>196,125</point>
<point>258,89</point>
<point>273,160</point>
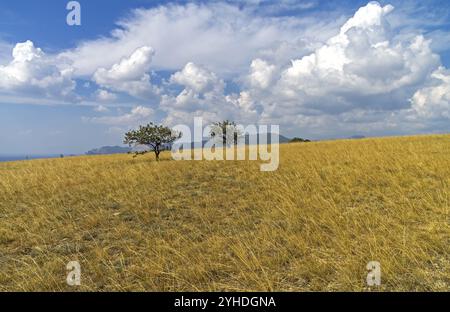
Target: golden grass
<point>135,224</point>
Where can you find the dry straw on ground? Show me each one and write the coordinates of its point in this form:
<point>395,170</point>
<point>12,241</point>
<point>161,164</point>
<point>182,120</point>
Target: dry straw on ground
<point>314,224</point>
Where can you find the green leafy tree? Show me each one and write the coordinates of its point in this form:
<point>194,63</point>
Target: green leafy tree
<point>299,140</point>
<point>226,131</point>
<point>153,136</point>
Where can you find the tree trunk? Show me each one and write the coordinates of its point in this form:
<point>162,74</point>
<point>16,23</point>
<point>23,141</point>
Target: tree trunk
<point>157,152</point>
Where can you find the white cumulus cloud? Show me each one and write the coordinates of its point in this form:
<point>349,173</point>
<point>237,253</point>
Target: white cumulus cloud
<point>203,96</point>
<point>223,36</point>
<point>31,71</point>
<point>434,101</point>
<point>105,96</point>
<point>137,115</point>
<point>130,75</point>
<point>363,60</point>
<point>197,79</point>
<point>261,74</point>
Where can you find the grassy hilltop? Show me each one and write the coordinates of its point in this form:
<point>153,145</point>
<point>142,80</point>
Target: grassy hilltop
<point>314,224</point>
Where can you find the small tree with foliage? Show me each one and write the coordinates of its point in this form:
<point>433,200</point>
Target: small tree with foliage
<point>226,131</point>
<point>299,140</point>
<point>153,136</point>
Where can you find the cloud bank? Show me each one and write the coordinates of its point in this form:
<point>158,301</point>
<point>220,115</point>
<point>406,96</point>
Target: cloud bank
<point>32,72</point>
<point>368,73</point>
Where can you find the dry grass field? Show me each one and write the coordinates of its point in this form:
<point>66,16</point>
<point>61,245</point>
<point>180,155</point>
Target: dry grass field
<point>138,225</point>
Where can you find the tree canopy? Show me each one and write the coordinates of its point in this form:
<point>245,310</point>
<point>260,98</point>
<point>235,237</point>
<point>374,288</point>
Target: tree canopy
<point>299,140</point>
<point>153,136</point>
<point>227,131</point>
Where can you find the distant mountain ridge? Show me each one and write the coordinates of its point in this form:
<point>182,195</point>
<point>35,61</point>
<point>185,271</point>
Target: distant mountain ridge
<point>6,158</point>
<point>108,150</point>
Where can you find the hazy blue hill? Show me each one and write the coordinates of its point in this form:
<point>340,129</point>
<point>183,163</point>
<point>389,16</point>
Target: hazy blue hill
<point>10,158</point>
<point>106,150</point>
<point>357,137</point>
<point>4,158</point>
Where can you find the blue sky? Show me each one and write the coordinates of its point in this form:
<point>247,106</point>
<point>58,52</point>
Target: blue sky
<point>319,69</point>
